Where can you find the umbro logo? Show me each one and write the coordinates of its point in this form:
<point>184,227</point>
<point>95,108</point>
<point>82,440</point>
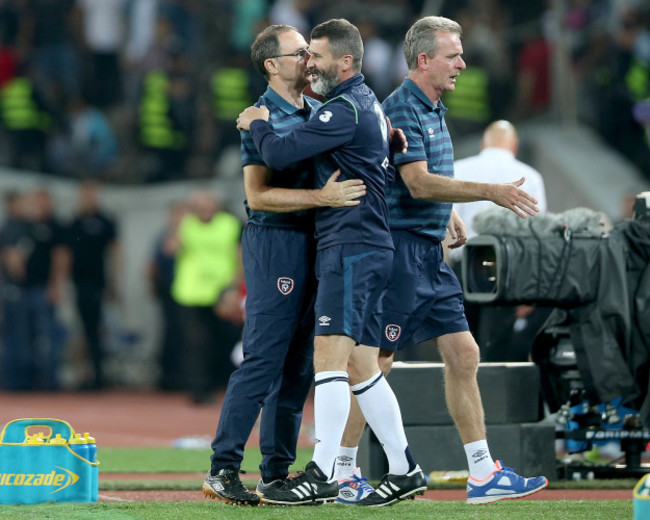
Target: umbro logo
<point>393,332</point>
<point>431,132</point>
<point>324,321</point>
<point>479,453</point>
<point>285,285</point>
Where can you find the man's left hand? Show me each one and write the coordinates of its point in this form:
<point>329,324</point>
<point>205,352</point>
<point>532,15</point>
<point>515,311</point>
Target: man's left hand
<point>396,139</point>
<point>457,231</point>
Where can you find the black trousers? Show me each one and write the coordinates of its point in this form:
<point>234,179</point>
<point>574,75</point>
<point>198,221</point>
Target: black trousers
<point>207,343</point>
<point>90,297</point>
<point>171,354</point>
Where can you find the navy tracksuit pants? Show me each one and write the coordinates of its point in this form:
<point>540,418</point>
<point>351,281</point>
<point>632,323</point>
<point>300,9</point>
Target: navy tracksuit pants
<point>277,372</point>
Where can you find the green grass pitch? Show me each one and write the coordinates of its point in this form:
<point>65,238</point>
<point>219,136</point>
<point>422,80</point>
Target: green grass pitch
<point>170,460</point>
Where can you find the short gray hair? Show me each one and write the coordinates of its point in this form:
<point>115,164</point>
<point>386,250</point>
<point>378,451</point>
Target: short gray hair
<point>421,37</point>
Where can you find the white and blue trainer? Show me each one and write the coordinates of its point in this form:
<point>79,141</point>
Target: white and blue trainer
<point>502,484</point>
<point>354,488</point>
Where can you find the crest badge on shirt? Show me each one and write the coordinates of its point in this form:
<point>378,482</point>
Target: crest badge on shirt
<point>285,285</point>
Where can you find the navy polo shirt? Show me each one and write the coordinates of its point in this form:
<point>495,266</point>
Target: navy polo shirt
<point>296,175</point>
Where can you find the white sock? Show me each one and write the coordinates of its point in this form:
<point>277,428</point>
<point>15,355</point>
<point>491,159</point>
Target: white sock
<point>331,409</point>
<point>346,462</point>
<point>479,460</point>
<point>381,410</point>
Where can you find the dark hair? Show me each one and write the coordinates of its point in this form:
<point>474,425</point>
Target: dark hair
<point>344,38</point>
<point>267,45</point>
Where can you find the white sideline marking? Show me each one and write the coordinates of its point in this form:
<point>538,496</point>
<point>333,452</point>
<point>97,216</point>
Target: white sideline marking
<point>109,498</point>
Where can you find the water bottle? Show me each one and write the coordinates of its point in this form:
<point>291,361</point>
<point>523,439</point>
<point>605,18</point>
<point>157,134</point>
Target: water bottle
<point>79,445</point>
<point>94,470</point>
<point>37,438</point>
<point>57,439</point>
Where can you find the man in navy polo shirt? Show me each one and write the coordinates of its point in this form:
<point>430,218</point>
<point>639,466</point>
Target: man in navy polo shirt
<point>278,252</point>
<point>354,260</point>
<point>424,299</point>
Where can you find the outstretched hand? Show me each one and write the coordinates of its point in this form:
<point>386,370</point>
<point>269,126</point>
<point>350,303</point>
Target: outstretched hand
<point>249,115</point>
<point>342,194</point>
<point>510,196</point>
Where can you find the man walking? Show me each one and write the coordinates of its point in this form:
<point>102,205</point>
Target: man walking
<point>424,299</point>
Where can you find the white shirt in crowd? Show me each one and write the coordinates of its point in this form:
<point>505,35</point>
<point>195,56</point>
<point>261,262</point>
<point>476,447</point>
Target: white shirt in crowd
<point>495,165</point>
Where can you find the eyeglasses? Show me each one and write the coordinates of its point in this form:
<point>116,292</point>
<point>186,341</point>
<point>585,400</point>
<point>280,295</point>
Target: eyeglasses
<point>301,53</point>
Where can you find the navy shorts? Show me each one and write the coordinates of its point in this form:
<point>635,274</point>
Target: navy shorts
<point>424,298</point>
<point>351,281</point>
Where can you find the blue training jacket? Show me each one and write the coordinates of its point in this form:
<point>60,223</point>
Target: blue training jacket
<point>349,131</point>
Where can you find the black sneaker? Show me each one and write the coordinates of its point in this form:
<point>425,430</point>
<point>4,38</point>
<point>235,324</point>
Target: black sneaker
<point>396,487</point>
<point>274,485</point>
<point>308,488</point>
<point>227,487</point>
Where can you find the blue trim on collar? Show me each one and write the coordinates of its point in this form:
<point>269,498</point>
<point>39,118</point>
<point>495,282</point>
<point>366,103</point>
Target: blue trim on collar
<point>282,103</point>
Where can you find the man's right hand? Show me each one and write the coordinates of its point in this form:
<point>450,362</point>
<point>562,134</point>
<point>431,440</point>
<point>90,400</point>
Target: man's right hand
<point>341,194</point>
<point>510,196</point>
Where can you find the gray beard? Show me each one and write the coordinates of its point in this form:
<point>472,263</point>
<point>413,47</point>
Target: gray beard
<point>325,84</point>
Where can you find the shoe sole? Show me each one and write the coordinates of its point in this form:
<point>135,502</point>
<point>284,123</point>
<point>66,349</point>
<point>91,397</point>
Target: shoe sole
<point>409,495</point>
<point>478,501</point>
<point>310,502</point>
<point>208,492</point>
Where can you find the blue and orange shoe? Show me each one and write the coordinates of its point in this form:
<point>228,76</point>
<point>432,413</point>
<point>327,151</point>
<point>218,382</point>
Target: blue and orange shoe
<point>501,484</point>
<point>353,489</point>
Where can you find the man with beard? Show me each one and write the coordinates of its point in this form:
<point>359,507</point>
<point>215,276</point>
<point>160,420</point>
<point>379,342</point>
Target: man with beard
<point>353,261</point>
<point>278,251</point>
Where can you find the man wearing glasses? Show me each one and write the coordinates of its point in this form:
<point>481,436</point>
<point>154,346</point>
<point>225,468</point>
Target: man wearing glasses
<point>353,261</point>
<point>278,252</point>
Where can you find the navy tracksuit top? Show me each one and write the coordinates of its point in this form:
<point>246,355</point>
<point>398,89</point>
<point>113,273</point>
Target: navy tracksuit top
<point>349,131</point>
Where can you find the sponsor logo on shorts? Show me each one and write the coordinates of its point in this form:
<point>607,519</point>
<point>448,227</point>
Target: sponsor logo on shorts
<point>285,285</point>
<point>393,332</point>
<point>324,321</point>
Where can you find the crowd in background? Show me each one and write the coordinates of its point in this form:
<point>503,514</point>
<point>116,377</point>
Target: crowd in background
<point>194,274</point>
<point>138,91</point>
